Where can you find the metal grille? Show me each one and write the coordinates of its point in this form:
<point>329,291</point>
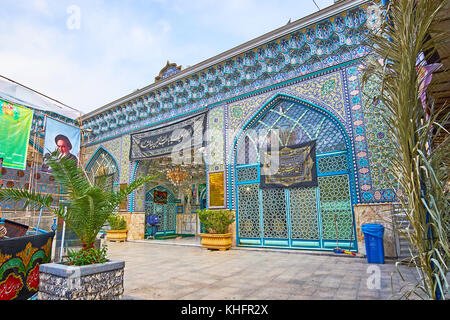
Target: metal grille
<point>332,164</point>
<point>171,216</point>
<point>306,215</point>
<point>247,174</point>
<point>248,206</point>
<point>303,211</point>
<point>274,213</point>
<point>294,124</point>
<point>166,213</point>
<point>335,202</point>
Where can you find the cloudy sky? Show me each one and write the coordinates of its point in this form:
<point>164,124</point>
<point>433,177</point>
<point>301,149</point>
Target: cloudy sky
<point>118,46</point>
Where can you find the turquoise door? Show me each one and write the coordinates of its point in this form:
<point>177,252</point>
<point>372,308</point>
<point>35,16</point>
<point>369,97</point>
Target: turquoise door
<point>166,213</point>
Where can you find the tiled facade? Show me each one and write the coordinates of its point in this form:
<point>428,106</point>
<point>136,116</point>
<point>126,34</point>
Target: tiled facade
<point>318,65</point>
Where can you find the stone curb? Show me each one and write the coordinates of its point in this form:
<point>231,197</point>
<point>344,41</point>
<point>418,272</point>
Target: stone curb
<point>66,271</point>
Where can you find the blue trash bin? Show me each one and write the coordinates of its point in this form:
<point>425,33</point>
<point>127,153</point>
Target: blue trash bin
<point>373,235</point>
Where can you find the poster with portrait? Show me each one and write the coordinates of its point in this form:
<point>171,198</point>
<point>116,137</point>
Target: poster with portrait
<point>62,137</point>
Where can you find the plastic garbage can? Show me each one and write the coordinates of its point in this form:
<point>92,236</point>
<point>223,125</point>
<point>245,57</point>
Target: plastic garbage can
<point>373,235</point>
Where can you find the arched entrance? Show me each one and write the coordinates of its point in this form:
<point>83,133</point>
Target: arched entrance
<point>316,217</point>
<point>175,205</point>
<point>161,202</point>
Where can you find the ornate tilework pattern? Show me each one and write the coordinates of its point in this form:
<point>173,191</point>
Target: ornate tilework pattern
<point>274,213</point>
<point>370,143</point>
<point>379,145</point>
<point>113,147</point>
<point>328,43</point>
<point>304,89</point>
<point>138,195</point>
<point>215,139</point>
<point>124,159</point>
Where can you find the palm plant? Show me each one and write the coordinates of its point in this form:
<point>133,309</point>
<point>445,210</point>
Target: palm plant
<point>89,205</point>
<point>419,167</point>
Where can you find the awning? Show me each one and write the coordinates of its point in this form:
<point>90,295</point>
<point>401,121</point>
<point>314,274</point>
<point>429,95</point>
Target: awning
<point>23,96</point>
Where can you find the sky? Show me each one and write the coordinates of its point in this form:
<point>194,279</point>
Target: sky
<point>88,53</point>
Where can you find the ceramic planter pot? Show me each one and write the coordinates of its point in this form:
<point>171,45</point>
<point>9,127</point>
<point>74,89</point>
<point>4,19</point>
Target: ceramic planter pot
<point>102,281</point>
<point>220,242</point>
<point>116,235</point>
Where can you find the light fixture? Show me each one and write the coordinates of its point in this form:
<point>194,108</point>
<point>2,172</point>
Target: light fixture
<point>177,175</point>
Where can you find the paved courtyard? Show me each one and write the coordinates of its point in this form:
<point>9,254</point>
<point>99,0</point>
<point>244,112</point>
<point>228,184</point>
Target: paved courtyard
<point>172,272</point>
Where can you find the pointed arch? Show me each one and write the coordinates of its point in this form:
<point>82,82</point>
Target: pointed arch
<point>262,111</point>
<point>103,163</point>
<point>297,217</point>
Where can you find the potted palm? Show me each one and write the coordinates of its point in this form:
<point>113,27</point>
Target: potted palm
<point>87,274</point>
<point>118,231</point>
<point>217,224</point>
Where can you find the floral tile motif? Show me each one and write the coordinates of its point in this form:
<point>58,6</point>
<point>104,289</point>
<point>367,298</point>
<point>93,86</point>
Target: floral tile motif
<point>124,159</point>
<point>215,155</point>
<point>371,143</point>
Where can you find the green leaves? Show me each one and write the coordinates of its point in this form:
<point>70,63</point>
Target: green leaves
<point>87,256</point>
<point>420,171</point>
<point>216,221</point>
<point>90,205</point>
<point>117,223</point>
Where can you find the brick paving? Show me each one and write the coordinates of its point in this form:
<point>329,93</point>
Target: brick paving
<point>172,272</point>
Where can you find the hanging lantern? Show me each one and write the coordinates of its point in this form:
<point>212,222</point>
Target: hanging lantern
<point>177,175</point>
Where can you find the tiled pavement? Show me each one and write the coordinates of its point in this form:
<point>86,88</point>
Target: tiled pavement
<point>170,272</point>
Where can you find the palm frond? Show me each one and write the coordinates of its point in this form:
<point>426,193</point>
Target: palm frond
<point>421,174</point>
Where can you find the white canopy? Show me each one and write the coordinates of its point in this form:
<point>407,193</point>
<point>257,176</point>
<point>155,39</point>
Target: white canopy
<point>20,95</point>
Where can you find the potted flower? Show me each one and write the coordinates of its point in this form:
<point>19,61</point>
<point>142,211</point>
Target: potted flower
<point>217,224</point>
<point>118,231</point>
<point>87,274</point>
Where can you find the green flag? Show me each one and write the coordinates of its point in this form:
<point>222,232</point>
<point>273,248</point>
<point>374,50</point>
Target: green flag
<point>15,125</point>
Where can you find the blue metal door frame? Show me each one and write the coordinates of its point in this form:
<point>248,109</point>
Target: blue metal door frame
<point>321,243</point>
<point>165,226</point>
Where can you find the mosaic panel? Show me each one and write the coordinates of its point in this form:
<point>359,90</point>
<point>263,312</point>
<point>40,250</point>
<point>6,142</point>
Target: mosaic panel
<point>274,213</point>
<point>124,159</point>
<point>248,208</point>
<point>171,219</point>
<point>379,145</point>
<point>303,212</point>
<point>293,123</point>
<point>216,139</point>
<point>326,91</point>
<point>370,142</point>
<point>248,152</point>
<point>139,194</point>
<point>113,147</point>
<point>335,205</point>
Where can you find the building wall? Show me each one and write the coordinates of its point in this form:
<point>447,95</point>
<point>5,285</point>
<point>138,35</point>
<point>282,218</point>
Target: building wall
<point>333,84</point>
